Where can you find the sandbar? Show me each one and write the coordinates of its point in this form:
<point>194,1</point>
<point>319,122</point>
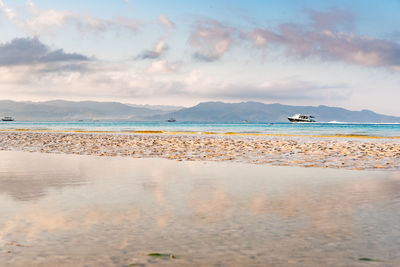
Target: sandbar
<point>334,152</point>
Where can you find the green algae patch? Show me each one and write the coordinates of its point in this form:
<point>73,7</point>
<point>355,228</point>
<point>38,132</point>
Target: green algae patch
<point>162,255</point>
<point>369,259</point>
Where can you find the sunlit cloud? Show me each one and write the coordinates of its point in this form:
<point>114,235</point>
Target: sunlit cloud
<point>8,12</point>
<point>323,39</point>
<point>162,66</point>
<point>159,49</point>
<point>211,40</point>
<point>39,21</point>
<point>164,20</point>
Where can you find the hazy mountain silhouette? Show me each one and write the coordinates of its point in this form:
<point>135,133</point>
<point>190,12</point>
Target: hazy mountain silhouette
<point>60,110</point>
<point>259,112</point>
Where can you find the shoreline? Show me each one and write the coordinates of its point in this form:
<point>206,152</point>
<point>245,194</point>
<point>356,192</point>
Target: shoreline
<point>346,153</point>
<point>150,132</point>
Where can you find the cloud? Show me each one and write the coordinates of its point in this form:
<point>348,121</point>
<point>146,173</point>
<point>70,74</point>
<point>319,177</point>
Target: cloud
<point>288,90</point>
<point>39,21</point>
<point>161,46</point>
<point>332,19</point>
<point>199,85</point>
<point>26,51</point>
<point>161,81</point>
<point>26,63</point>
<point>211,40</point>
<point>159,49</point>
<point>164,20</point>
<point>161,66</point>
<point>322,39</point>
<point>8,12</point>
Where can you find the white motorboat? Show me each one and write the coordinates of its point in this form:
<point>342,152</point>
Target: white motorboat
<point>301,118</point>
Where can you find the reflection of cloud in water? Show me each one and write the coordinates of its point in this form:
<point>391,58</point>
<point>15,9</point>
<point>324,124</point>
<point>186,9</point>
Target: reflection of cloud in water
<point>209,203</point>
<point>157,184</point>
<point>21,187</point>
<point>218,211</point>
<point>28,176</point>
<point>36,219</point>
<point>327,209</point>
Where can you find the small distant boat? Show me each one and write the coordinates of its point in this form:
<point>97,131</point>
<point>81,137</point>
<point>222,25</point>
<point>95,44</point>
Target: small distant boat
<point>244,121</point>
<point>301,118</point>
<point>171,120</point>
<point>7,119</point>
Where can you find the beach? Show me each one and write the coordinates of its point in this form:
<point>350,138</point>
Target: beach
<point>197,199</point>
<point>358,153</point>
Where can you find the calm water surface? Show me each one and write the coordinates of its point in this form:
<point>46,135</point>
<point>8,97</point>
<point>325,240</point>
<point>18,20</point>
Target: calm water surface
<point>67,210</point>
<point>261,128</point>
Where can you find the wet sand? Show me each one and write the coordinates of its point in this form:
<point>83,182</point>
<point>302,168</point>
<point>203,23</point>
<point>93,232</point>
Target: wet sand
<point>70,210</point>
<point>326,152</point>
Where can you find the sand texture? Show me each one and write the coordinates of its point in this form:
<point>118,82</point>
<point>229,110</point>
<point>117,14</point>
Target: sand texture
<point>308,152</point>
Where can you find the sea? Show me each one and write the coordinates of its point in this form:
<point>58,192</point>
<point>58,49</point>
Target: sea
<point>332,128</point>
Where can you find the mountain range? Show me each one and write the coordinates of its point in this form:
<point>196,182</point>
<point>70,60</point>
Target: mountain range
<point>61,110</point>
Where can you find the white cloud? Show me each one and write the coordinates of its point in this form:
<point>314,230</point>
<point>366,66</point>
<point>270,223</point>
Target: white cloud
<point>159,49</point>
<point>41,21</point>
<point>161,66</point>
<point>197,77</point>
<point>9,13</point>
<point>161,46</point>
<point>164,20</point>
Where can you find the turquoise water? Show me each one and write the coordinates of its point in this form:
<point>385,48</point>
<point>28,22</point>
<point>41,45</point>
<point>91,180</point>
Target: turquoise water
<point>261,128</point>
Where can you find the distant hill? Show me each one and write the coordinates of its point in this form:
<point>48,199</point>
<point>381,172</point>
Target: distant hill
<point>260,112</point>
<point>157,107</point>
<point>60,110</point>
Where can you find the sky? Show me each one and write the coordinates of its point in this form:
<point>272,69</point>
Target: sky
<point>175,52</point>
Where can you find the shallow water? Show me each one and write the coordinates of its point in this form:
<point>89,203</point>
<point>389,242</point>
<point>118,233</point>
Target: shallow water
<point>68,210</point>
<point>357,129</point>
